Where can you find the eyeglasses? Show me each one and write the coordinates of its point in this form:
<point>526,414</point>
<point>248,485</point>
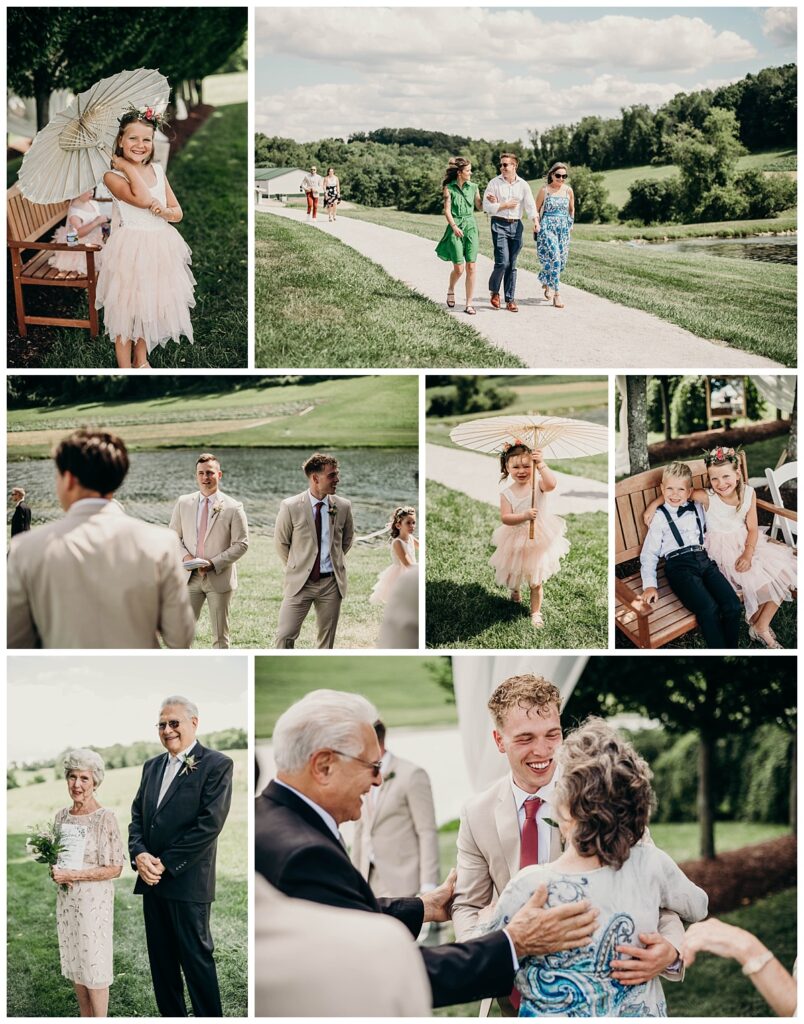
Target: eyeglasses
<point>505,164</point>
<point>376,766</point>
<point>174,723</point>
<point>559,175</point>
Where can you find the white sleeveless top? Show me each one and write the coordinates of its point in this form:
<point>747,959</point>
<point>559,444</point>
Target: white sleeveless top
<point>723,518</point>
<point>134,216</point>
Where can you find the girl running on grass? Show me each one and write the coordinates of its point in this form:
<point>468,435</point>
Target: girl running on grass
<point>403,552</point>
<point>145,285</point>
<point>519,559</point>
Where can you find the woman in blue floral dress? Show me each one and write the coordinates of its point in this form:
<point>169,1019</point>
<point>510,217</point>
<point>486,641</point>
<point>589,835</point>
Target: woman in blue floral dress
<point>602,799</point>
<point>556,205</point>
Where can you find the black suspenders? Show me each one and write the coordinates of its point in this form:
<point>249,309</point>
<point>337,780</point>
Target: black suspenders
<point>675,530</point>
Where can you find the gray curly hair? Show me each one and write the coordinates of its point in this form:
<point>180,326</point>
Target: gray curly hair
<point>83,759</point>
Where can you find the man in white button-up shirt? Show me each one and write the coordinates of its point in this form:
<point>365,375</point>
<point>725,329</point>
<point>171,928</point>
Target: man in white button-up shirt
<point>507,199</point>
<point>311,185</point>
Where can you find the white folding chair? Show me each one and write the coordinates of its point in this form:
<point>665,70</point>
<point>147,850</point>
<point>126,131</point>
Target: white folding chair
<point>781,524</point>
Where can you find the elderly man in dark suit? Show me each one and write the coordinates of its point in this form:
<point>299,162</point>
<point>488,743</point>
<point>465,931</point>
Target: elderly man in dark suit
<point>21,517</point>
<point>177,815</point>
<point>327,757</point>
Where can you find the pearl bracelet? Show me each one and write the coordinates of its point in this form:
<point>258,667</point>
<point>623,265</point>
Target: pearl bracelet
<point>756,963</point>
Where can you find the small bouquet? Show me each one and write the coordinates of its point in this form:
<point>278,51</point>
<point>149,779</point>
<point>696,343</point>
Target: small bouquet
<point>44,844</point>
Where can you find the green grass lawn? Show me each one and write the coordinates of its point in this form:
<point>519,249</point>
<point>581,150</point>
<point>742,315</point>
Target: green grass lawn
<point>320,303</point>
<point>255,606</point>
<point>465,607</point>
<point>354,412</point>
<point>402,687</point>
<point>208,177</point>
<point>748,304</point>
<point>35,985</point>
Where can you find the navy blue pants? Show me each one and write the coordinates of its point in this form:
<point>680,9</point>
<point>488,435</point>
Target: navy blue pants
<point>707,593</point>
<point>507,238</point>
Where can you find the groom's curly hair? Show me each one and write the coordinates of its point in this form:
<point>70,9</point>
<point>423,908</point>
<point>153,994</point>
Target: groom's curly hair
<point>604,786</point>
<point>525,691</point>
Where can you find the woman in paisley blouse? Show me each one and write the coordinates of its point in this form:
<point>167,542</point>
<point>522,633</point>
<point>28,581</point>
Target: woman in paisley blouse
<point>602,800</point>
<point>93,855</point>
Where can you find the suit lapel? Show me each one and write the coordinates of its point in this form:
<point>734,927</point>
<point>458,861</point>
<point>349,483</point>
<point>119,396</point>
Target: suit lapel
<point>154,783</point>
<point>308,513</point>
<point>287,798</point>
<point>214,516</point>
<point>383,793</point>
<point>507,823</point>
<point>555,844</point>
<point>192,526</point>
<point>178,778</point>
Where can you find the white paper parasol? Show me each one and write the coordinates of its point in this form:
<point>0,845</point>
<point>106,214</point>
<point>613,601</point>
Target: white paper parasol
<point>558,437</point>
<point>72,152</point>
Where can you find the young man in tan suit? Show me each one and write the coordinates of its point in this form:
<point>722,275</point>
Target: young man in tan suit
<point>395,845</point>
<point>312,534</point>
<point>212,526</point>
<point>509,825</point>
<point>96,577</point>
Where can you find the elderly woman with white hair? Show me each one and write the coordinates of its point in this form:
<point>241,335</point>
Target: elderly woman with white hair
<point>93,854</point>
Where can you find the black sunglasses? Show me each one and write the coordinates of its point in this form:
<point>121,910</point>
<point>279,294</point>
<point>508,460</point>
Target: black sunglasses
<point>376,766</point>
<point>174,723</point>
<point>559,175</point>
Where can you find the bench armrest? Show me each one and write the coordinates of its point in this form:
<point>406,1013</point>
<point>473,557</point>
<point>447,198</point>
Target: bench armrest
<point>634,602</point>
<point>57,246</point>
<point>777,510</point>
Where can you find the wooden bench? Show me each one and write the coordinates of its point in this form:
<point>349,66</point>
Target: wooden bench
<point>28,223</point>
<point>651,626</point>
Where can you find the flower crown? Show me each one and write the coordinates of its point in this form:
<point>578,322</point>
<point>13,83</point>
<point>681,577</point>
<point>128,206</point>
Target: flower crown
<point>720,455</point>
<point>150,115</point>
<point>516,444</point>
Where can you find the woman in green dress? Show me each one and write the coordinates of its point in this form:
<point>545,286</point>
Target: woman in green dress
<point>460,241</point>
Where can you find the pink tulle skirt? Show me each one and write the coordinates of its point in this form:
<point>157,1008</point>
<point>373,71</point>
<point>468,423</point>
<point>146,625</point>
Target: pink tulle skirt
<point>145,285</point>
<point>772,575</point>
<point>75,261</point>
<point>386,581</point>
<point>519,560</point>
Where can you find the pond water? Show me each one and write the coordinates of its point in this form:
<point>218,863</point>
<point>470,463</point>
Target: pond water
<point>375,480</point>
<point>769,249</point>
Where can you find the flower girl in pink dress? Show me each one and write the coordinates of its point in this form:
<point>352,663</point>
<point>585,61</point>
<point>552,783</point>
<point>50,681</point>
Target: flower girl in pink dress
<point>145,285</point>
<point>403,552</point>
<point>519,560</point>
<point>84,217</point>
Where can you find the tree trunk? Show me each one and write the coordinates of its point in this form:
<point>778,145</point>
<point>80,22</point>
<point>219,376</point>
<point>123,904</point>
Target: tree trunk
<point>199,90</point>
<point>42,97</point>
<point>793,786</point>
<point>664,384</point>
<point>706,817</point>
<point>636,391</point>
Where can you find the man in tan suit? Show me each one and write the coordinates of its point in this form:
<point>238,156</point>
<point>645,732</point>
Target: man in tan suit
<point>365,965</point>
<point>395,844</point>
<point>211,526</point>
<point>509,825</point>
<point>312,534</point>
<point>96,577</point>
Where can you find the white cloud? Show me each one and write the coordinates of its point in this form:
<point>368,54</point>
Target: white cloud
<point>388,39</point>
<point>779,25</point>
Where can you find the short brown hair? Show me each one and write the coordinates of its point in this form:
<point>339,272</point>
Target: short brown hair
<point>604,785</point>
<point>680,470</point>
<point>317,462</point>
<point>526,691</point>
<point>207,457</point>
<point>510,156</point>
<point>98,460</point>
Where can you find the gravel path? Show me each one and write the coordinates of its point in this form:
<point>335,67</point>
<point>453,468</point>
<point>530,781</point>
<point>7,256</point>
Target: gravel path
<point>590,332</point>
<point>476,475</point>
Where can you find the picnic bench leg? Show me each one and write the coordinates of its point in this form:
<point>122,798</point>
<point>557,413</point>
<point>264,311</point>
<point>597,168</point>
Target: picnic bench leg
<point>92,278</point>
<point>16,267</point>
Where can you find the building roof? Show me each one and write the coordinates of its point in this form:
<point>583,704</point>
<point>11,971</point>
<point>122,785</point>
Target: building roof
<point>269,173</point>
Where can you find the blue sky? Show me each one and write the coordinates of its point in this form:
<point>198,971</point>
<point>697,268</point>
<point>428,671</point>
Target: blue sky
<point>496,72</point>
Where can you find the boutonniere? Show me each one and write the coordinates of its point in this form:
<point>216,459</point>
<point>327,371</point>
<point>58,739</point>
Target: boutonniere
<point>554,824</point>
<point>217,507</point>
<point>332,511</point>
<point>190,765</point>
<point>389,776</point>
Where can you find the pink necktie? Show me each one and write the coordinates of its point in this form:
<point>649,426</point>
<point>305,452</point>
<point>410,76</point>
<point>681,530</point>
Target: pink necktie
<point>528,854</point>
<point>202,529</point>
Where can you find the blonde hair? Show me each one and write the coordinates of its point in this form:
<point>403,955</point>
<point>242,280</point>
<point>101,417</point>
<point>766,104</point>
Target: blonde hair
<point>604,786</point>
<point>680,470</point>
<point>526,692</point>
<point>739,473</point>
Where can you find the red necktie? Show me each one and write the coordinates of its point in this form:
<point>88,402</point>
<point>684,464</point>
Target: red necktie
<point>315,572</point>
<point>528,854</point>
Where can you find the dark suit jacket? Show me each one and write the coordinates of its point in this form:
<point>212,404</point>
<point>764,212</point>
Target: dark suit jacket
<point>299,855</point>
<point>183,830</point>
<point>21,519</point>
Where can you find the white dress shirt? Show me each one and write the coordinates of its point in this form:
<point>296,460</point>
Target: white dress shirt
<point>175,761</point>
<point>660,540</point>
<point>312,183</point>
<point>326,561</point>
<point>519,190</point>
<point>545,794</point>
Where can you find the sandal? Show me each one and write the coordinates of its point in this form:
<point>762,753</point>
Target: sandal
<point>451,296</point>
<point>767,639</point>
<point>516,597</point>
<point>470,310</point>
<point>557,301</point>
<point>141,366</point>
<point>537,621</point>
<point>547,293</point>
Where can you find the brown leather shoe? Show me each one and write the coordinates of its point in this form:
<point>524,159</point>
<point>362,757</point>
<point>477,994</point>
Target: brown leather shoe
<point>512,307</point>
<point>495,300</point>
